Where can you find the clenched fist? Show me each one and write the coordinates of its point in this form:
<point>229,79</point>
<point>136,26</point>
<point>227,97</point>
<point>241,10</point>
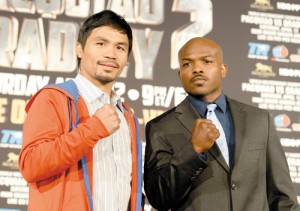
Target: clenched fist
<point>109,117</point>
<point>204,135</point>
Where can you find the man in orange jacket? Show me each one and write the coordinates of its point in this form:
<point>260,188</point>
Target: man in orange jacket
<point>83,151</point>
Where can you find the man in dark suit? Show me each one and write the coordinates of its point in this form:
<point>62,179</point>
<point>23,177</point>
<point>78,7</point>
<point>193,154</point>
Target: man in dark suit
<point>185,167</point>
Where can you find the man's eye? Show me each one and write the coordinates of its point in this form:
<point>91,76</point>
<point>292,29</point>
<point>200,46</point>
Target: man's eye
<point>100,43</point>
<point>208,61</point>
<point>121,48</point>
<point>186,64</point>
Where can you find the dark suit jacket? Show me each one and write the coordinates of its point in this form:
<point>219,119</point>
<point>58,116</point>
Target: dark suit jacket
<point>177,178</point>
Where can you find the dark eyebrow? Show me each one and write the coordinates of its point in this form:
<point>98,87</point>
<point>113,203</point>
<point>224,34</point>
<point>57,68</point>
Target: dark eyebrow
<point>186,59</point>
<point>99,38</point>
<point>122,43</point>
<point>208,56</point>
<point>202,57</point>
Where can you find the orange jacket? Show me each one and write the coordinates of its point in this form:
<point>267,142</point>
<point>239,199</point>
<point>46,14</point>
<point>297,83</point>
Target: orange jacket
<point>50,154</point>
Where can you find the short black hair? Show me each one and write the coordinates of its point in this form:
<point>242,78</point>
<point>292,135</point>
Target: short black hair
<point>104,18</point>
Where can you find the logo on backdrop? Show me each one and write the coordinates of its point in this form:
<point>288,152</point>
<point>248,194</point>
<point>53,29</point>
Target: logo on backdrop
<point>262,5</point>
<point>263,70</point>
<point>282,122</point>
<point>12,161</point>
<point>280,53</point>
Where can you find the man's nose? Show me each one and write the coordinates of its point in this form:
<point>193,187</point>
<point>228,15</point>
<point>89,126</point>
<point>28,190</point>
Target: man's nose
<point>197,67</point>
<point>110,52</point>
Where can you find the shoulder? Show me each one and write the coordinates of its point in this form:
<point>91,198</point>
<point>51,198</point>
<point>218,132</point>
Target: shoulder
<point>250,112</point>
<point>235,104</point>
<point>68,88</point>
<point>164,121</point>
<point>171,114</point>
<point>53,94</point>
<point>166,116</point>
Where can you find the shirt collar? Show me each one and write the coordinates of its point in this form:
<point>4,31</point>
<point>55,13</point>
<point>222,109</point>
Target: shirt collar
<point>221,102</point>
<point>200,104</point>
<point>92,93</point>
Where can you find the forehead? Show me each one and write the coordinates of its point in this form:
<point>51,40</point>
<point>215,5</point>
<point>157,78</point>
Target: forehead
<point>199,48</point>
<point>108,33</point>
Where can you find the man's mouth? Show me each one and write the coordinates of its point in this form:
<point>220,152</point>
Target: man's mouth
<point>108,64</point>
<point>198,78</point>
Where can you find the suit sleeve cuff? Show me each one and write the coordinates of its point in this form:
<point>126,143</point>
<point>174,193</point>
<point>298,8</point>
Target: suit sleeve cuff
<point>202,156</point>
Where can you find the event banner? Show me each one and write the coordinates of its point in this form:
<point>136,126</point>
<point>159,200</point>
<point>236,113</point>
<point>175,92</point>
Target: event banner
<point>260,41</point>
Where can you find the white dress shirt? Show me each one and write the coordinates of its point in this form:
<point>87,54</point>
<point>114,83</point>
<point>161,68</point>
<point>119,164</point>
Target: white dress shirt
<point>112,161</point>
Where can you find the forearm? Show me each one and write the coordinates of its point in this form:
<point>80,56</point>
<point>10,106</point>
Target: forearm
<point>51,152</point>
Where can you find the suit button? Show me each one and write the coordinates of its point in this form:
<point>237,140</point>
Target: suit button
<point>197,173</point>
<point>234,187</point>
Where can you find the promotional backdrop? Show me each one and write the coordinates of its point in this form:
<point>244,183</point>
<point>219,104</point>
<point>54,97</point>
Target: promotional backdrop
<point>260,41</point>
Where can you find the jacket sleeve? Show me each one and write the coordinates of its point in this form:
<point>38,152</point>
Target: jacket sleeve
<point>281,195</point>
<point>48,146</point>
<point>169,169</point>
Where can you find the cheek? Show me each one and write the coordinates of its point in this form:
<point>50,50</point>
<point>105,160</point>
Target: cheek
<point>217,80</point>
<point>215,75</point>
<point>187,85</point>
<point>182,78</point>
<point>86,60</point>
<point>92,56</point>
<point>88,63</point>
<point>123,60</point>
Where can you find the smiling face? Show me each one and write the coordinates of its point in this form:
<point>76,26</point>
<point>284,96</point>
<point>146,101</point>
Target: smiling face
<point>103,57</point>
<point>201,68</point>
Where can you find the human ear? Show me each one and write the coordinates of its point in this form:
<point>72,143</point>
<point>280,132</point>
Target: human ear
<point>224,70</point>
<point>79,50</point>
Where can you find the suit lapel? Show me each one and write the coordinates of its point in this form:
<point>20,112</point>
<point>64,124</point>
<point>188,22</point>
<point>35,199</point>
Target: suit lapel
<point>216,153</point>
<point>188,114</point>
<point>239,119</point>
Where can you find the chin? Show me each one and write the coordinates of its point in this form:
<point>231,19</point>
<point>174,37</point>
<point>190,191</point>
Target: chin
<point>197,95</point>
<point>105,80</point>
